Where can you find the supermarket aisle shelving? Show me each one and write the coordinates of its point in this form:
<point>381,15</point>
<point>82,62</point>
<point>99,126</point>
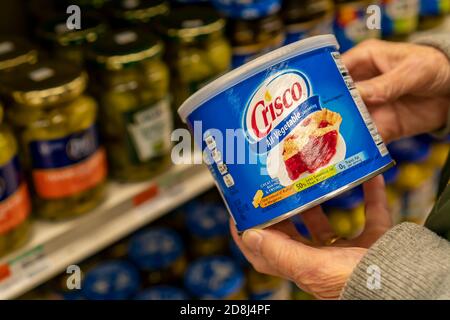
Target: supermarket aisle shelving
<point>54,246</point>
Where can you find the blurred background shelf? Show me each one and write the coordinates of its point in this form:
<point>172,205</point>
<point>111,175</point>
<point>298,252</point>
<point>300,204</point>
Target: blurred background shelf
<point>54,246</point>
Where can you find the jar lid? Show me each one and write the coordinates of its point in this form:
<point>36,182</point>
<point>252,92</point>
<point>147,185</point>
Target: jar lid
<point>347,200</point>
<point>15,51</point>
<point>123,47</point>
<point>206,220</point>
<point>187,23</point>
<point>155,249</point>
<point>409,150</point>
<point>162,292</point>
<point>44,83</point>
<point>138,10</point>
<point>295,11</point>
<point>114,280</point>
<point>213,277</point>
<point>56,30</point>
<point>247,9</point>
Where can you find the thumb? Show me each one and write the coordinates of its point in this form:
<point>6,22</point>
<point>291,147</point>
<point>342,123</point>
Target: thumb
<point>385,88</point>
<point>287,256</point>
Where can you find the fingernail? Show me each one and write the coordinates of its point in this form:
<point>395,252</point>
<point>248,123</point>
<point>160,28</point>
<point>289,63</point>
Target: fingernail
<point>252,239</point>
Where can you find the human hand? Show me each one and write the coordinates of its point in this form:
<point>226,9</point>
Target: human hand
<point>405,86</point>
<point>316,268</point>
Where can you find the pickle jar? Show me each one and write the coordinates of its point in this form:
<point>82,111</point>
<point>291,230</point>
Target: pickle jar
<point>159,254</point>
<point>131,83</point>
<point>197,50</point>
<point>307,18</point>
<point>251,38</point>
<point>215,277</point>
<point>14,52</point>
<point>350,23</point>
<point>67,44</point>
<point>56,127</point>
<point>14,198</point>
<point>125,13</point>
<point>399,18</point>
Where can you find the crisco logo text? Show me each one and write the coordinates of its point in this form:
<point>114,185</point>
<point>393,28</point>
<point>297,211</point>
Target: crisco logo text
<point>274,101</point>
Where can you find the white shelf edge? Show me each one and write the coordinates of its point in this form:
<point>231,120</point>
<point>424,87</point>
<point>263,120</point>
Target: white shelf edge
<point>58,245</point>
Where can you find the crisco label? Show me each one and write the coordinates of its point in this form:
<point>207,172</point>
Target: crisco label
<point>273,102</point>
<point>14,198</point>
<point>69,165</point>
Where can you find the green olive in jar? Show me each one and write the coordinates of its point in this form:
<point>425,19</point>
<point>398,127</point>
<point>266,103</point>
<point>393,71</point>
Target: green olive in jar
<point>14,198</point>
<point>56,126</point>
<point>197,51</point>
<point>71,44</point>
<point>132,84</point>
<point>15,51</point>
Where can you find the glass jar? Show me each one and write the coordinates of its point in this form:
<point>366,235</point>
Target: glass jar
<point>124,13</point>
<point>350,23</point>
<point>14,199</point>
<point>208,228</point>
<point>399,18</point>
<point>307,18</point>
<point>159,254</point>
<point>71,45</point>
<point>215,277</point>
<point>432,13</point>
<point>15,51</point>
<point>131,84</point>
<point>55,124</point>
<point>254,37</point>
<point>197,50</point>
<point>416,178</point>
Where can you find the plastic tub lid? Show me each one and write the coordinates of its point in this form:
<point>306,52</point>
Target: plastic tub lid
<point>348,200</point>
<point>409,150</point>
<point>391,175</point>
<point>247,9</point>
<point>162,292</point>
<point>114,280</point>
<point>253,67</point>
<point>155,248</point>
<point>213,277</point>
<point>206,220</point>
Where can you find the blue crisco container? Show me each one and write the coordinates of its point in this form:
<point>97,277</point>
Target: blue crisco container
<point>162,292</point>
<point>303,133</point>
<point>159,253</point>
<point>215,277</point>
<point>247,9</point>
<point>114,280</point>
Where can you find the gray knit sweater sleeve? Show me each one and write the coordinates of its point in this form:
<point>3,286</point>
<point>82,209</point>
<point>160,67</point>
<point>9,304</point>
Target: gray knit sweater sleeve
<point>408,262</point>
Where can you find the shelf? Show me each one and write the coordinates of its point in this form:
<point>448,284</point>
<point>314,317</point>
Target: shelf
<point>55,246</point>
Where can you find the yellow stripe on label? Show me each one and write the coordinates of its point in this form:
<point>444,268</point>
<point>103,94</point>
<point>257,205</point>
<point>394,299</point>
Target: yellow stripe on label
<point>314,179</point>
